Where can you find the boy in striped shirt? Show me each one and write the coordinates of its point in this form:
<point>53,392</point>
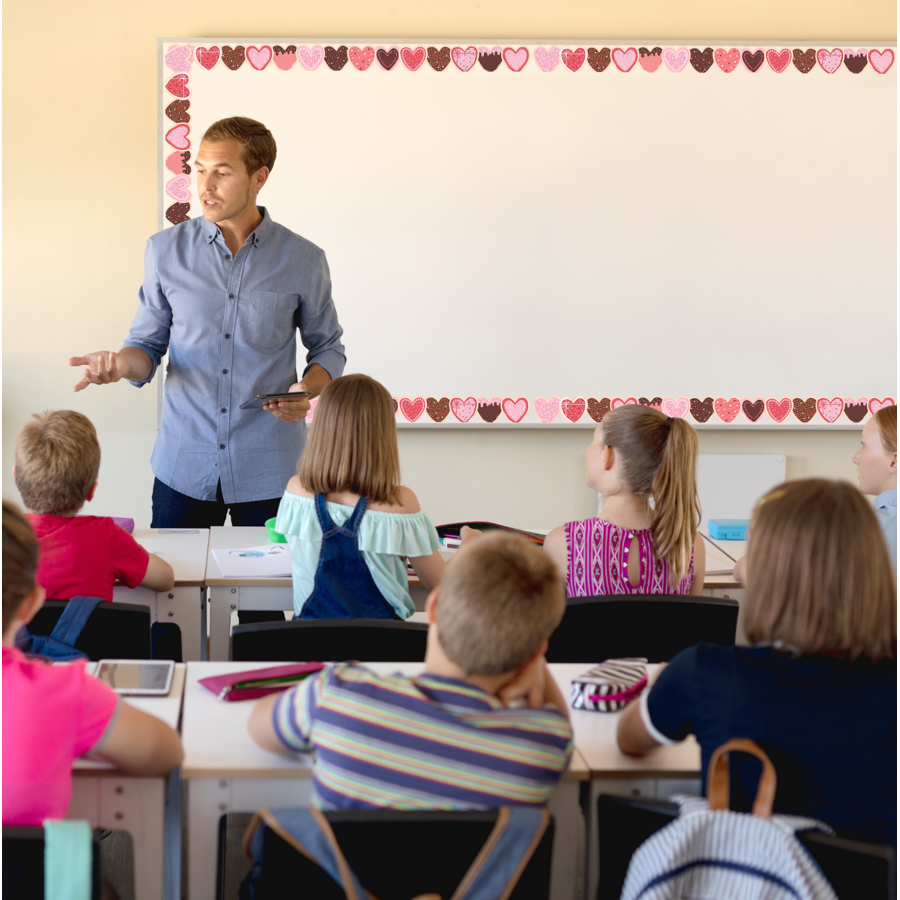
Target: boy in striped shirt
<point>484,726</point>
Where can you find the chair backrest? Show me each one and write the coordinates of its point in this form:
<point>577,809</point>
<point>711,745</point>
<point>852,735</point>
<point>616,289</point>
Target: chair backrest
<point>327,640</point>
<point>114,630</point>
<point>656,626</point>
<point>23,864</point>
<point>854,868</point>
<point>398,854</point>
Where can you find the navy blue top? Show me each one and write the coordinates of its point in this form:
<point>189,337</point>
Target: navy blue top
<point>829,726</point>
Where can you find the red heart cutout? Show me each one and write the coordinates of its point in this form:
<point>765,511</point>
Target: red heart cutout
<point>412,409</point>
<point>207,56</point>
<point>177,86</point>
<point>778,410</point>
<point>573,410</point>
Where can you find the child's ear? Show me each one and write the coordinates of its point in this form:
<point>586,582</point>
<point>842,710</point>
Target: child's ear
<point>90,493</point>
<point>431,605</point>
<point>893,466</point>
<point>609,457</point>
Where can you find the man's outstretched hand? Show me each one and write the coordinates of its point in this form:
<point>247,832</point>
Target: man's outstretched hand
<point>102,367</point>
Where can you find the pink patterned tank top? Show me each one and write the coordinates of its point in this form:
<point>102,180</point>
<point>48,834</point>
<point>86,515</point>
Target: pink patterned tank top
<point>597,562</point>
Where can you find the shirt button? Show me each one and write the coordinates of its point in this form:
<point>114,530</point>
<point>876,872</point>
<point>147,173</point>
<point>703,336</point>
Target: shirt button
<point>221,446</point>
<point>224,409</point>
<point>224,371</point>
<point>231,296</point>
<point>227,336</point>
<point>227,257</point>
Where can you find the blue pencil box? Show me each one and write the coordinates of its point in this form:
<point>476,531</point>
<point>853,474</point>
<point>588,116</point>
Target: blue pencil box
<point>729,529</point>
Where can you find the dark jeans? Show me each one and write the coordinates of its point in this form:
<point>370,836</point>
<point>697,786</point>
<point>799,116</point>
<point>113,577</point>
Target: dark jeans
<point>172,509</point>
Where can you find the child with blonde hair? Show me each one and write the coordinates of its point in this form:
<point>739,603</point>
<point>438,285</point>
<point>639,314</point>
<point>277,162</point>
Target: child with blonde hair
<point>645,540</point>
<point>56,468</point>
<point>876,462</point>
<point>348,521</point>
<point>817,690</point>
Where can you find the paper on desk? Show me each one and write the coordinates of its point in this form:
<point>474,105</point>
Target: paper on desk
<point>265,561</point>
<point>717,567</point>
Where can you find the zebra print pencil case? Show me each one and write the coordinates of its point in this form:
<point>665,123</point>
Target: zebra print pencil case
<point>611,685</point>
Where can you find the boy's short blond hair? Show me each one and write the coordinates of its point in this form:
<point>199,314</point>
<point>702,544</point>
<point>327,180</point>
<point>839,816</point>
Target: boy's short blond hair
<point>500,598</point>
<point>57,461</point>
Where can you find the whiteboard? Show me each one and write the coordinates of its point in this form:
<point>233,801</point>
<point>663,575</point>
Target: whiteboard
<point>578,238</point>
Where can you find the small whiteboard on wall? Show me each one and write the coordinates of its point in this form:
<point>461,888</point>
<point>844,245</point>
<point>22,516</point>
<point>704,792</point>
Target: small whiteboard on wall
<point>729,484</point>
<point>530,234</point>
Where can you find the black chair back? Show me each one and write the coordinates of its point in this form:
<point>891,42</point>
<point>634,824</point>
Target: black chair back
<point>437,850</point>
<point>114,630</point>
<point>327,640</point>
<point>23,864</point>
<point>656,626</point>
<point>854,868</point>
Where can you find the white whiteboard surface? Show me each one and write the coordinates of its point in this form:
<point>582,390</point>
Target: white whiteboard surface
<point>729,484</point>
<point>586,234</point>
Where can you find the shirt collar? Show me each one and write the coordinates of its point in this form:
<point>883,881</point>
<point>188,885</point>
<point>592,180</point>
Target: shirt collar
<point>886,499</point>
<point>263,230</point>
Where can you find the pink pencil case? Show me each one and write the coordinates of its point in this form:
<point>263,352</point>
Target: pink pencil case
<point>610,686</point>
<point>259,682</point>
<point>124,524</point>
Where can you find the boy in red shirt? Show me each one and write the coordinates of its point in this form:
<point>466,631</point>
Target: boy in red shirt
<point>57,461</point>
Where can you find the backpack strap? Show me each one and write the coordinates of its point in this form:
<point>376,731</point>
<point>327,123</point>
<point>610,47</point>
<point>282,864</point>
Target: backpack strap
<point>718,779</point>
<point>496,870</point>
<point>71,623</point>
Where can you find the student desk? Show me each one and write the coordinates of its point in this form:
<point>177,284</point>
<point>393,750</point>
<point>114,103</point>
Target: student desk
<point>185,605</point>
<point>148,808</point>
<point>226,772</point>
<point>666,771</point>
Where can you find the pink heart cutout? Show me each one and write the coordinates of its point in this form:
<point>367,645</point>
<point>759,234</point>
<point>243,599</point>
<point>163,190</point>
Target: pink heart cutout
<point>778,62</point>
<point>624,59</point>
<point>464,59</point>
<point>727,60</point>
<point>286,59</point>
<point>675,60</point>
<point>727,410</point>
<point>463,409</point>
<point>175,163</point>
<point>778,410</point>
<point>548,59</point>
<point>361,59</point>
<point>547,410</point>
<point>881,60</point>
<point>573,59</point>
<point>178,188</point>
<point>618,401</point>
<point>412,409</point>
<point>208,56</point>
<point>515,409</point>
<point>830,61</point>
<point>573,410</point>
<point>259,57</point>
<point>677,409</point>
<point>830,410</point>
<point>412,59</point>
<point>875,405</point>
<point>310,57</point>
<point>312,408</point>
<point>651,62</point>
<point>179,59</point>
<point>177,86</point>
<point>515,59</point>
<point>178,137</point>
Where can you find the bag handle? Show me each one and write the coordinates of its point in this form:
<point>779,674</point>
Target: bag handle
<point>718,779</point>
<point>73,619</point>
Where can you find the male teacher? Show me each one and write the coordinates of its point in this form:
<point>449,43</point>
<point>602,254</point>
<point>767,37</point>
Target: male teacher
<point>225,295</point>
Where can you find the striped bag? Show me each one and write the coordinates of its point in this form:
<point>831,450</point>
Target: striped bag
<point>611,685</point>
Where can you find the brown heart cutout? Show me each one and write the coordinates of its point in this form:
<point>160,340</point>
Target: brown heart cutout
<point>701,410</point>
<point>597,409</point>
<point>804,410</point>
<point>178,213</point>
<point>336,59</point>
<point>177,111</point>
<point>598,60</point>
<point>753,410</point>
<point>233,57</point>
<point>438,59</point>
<point>438,410</point>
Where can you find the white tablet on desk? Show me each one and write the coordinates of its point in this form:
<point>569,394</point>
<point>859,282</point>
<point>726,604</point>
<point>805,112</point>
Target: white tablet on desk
<point>137,677</point>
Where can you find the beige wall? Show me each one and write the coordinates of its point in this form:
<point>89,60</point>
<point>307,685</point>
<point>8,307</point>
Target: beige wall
<point>80,199</point>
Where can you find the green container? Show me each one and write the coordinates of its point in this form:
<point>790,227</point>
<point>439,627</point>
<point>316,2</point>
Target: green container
<point>274,536</point>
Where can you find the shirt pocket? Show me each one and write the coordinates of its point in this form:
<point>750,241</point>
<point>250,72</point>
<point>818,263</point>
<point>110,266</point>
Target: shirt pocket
<point>267,322</point>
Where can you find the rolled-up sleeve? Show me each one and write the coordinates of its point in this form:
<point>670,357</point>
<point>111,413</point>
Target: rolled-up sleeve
<point>150,328</point>
<point>317,320</point>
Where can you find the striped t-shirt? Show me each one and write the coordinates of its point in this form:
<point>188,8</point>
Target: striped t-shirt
<point>428,742</point>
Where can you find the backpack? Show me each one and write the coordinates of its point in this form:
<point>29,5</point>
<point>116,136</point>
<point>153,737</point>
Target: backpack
<point>712,853</point>
<point>492,876</point>
<point>59,645</point>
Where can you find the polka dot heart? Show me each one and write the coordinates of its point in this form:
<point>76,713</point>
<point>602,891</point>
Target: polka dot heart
<point>727,410</point>
<point>315,400</point>
<point>875,405</point>
<point>361,58</point>
<point>830,60</point>
<point>310,57</point>
<point>464,59</point>
<point>180,59</point>
<point>618,401</point>
<point>463,409</point>
<point>547,59</point>
<point>727,60</point>
<point>179,188</point>
<point>830,410</point>
<point>675,60</point>
<point>547,410</point>
<point>677,409</point>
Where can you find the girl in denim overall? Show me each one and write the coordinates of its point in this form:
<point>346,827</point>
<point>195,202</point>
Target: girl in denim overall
<point>348,521</point>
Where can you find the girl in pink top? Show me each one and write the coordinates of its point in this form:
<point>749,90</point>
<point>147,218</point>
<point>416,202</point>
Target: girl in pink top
<point>645,541</point>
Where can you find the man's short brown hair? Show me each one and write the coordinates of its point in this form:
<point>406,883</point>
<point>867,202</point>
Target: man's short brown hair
<point>20,559</point>
<point>500,598</point>
<point>57,461</point>
<point>255,140</point>
<point>819,577</point>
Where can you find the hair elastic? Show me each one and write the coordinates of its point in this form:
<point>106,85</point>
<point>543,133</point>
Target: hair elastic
<point>668,423</point>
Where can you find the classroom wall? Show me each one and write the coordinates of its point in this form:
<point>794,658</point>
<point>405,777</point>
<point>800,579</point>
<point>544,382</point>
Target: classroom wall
<point>75,221</point>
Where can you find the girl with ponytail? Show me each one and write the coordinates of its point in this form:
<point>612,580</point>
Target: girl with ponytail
<point>645,541</point>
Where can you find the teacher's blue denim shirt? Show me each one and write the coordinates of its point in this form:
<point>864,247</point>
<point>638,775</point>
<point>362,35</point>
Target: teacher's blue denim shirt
<point>230,327</point>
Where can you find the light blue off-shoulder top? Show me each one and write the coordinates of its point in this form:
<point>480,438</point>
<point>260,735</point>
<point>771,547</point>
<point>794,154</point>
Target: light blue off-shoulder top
<point>385,539</point>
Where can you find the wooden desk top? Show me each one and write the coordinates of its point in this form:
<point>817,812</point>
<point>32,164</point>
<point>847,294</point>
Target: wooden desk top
<point>167,708</point>
<point>185,552</point>
<point>217,745</point>
<point>235,537</point>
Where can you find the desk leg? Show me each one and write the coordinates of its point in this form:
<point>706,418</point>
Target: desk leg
<point>184,607</point>
<point>222,602</point>
<point>567,870</point>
